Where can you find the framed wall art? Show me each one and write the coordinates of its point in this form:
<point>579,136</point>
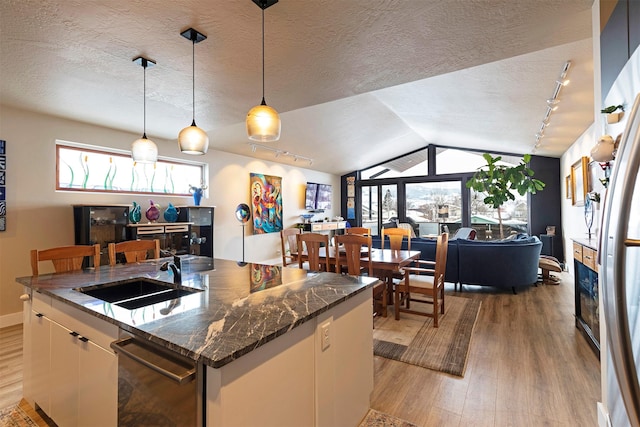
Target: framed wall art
<point>266,200</point>
<point>567,186</point>
<point>579,181</point>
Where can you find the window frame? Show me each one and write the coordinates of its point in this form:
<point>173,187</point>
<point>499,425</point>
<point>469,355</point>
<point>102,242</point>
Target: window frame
<point>113,152</point>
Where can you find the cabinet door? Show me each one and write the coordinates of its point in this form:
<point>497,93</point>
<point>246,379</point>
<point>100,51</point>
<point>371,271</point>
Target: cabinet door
<point>98,386</point>
<point>64,376</point>
<point>40,364</point>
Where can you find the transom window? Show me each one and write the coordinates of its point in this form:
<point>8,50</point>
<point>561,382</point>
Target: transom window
<point>97,169</point>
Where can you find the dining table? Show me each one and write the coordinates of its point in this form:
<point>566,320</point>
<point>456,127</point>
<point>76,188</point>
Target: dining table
<point>385,262</point>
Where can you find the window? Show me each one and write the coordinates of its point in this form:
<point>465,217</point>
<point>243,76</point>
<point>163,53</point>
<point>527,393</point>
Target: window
<point>484,218</point>
<point>96,169</point>
<point>432,205</point>
<point>412,164</point>
<point>370,208</point>
<point>451,160</point>
<point>402,189</point>
<point>379,206</point>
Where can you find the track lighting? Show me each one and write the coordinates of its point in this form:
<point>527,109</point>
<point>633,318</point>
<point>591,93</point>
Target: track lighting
<point>279,152</point>
<point>552,103</point>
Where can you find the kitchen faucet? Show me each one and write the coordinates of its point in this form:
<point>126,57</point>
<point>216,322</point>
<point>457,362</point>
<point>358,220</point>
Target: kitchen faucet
<point>175,267</point>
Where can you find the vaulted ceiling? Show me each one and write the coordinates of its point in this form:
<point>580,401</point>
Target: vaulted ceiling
<point>356,82</point>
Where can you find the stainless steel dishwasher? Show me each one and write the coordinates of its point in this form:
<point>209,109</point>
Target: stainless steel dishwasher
<point>156,386</point>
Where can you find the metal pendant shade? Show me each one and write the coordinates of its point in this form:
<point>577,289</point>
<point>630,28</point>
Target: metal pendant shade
<point>263,122</point>
<point>192,139</point>
<point>144,150</point>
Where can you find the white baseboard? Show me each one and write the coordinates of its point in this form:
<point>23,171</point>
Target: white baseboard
<point>10,319</point>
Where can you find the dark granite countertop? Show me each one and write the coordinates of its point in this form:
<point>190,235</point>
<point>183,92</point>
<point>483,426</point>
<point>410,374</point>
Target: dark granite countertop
<point>241,307</point>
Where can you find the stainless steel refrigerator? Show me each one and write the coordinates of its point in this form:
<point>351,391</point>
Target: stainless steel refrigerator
<point>620,259</point>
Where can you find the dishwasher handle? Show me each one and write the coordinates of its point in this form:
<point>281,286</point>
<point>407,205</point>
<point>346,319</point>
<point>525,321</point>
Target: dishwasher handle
<point>120,346</point>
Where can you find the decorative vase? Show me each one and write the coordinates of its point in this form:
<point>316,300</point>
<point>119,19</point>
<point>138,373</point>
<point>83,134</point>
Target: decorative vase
<point>134,214</point>
<point>197,195</point>
<point>171,214</point>
<point>153,213</point>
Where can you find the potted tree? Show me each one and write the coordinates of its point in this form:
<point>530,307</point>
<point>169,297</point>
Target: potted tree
<point>499,181</point>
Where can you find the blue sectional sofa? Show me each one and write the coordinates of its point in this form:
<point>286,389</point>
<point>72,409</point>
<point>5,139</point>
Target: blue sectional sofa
<point>507,264</point>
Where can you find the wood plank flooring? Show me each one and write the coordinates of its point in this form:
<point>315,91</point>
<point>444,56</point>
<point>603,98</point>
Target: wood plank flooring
<point>528,366</point>
<point>10,365</point>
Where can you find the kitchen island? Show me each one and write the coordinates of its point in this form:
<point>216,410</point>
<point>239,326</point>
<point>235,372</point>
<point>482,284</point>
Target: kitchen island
<point>272,345</point>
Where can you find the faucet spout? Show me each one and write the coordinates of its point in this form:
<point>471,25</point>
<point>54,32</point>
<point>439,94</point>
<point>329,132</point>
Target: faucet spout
<point>176,268</point>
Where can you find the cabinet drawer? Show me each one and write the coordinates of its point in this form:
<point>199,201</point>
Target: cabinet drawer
<point>41,303</point>
<point>577,252</point>
<point>95,329</point>
<point>175,228</point>
<point>153,229</point>
<point>589,258</point>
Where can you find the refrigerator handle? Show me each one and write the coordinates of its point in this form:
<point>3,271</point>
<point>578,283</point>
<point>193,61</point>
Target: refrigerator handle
<point>617,214</point>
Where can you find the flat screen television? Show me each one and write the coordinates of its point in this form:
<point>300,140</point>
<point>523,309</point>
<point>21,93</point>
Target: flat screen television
<point>310,196</point>
<point>317,196</point>
<point>323,197</point>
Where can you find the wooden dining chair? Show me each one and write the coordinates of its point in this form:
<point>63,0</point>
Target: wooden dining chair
<point>289,245</point>
<point>358,230</point>
<point>396,236</point>
<point>349,251</point>
<point>350,248</point>
<point>312,242</point>
<point>134,250</point>
<point>427,282</point>
<point>65,258</point>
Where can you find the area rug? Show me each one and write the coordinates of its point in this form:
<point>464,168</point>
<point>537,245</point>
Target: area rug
<point>378,419</point>
<point>21,415</point>
<point>414,340</point>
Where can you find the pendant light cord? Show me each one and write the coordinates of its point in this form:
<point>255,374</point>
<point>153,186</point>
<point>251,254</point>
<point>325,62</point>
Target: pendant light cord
<point>193,80</point>
<point>144,99</point>
<point>263,56</point>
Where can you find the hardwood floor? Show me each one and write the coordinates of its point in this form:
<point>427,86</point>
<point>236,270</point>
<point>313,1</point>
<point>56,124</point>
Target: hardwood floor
<point>528,366</point>
<point>10,365</point>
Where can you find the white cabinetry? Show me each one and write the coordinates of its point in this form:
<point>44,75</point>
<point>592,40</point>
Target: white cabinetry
<point>324,383</point>
<point>40,361</point>
<point>73,372</point>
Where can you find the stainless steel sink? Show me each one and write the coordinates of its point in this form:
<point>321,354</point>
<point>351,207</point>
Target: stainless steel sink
<point>136,293</point>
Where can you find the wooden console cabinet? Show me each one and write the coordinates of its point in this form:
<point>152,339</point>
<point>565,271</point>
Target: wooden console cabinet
<point>585,263</point>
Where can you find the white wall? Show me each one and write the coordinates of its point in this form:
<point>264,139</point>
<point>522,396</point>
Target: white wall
<point>39,217</point>
<point>623,92</point>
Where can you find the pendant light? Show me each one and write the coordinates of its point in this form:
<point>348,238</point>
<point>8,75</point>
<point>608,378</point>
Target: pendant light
<point>144,150</point>
<point>263,122</point>
<point>192,139</point>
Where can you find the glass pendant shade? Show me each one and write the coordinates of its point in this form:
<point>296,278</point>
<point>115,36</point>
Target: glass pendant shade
<point>193,140</point>
<point>144,150</point>
<point>263,123</point>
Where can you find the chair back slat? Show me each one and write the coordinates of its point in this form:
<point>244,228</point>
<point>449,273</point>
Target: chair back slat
<point>312,242</point>
<point>289,245</point>
<point>396,236</point>
<point>352,255</point>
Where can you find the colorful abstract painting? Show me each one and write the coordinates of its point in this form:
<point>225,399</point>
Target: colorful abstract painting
<point>266,200</point>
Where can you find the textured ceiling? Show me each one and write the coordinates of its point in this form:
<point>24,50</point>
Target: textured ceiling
<point>355,81</point>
